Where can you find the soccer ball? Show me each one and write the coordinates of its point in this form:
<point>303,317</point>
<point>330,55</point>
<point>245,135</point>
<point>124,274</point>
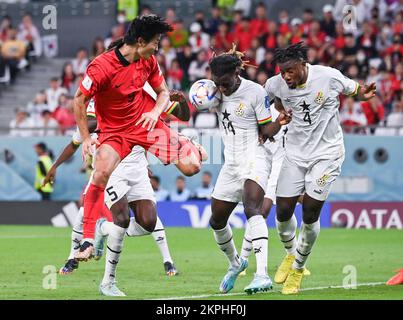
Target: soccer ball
<point>205,95</point>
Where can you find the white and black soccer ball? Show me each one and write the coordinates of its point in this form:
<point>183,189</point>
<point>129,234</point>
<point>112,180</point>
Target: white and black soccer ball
<point>204,95</point>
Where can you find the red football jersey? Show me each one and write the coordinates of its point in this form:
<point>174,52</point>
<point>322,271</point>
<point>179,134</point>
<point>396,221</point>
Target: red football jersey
<point>117,88</point>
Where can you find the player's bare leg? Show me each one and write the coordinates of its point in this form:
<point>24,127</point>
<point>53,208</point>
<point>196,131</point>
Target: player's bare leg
<point>146,222</point>
<point>106,161</point>
<point>253,196</point>
<point>309,232</point>
<point>221,210</point>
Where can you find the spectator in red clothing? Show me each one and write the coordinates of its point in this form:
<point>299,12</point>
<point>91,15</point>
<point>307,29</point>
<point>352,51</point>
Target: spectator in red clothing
<point>316,37</point>
<point>68,77</point>
<point>389,85</point>
<point>175,75</point>
<point>397,25</point>
<point>259,25</point>
<point>351,115</point>
<point>339,40</point>
<point>267,64</point>
<point>223,38</point>
<point>237,21</point>
<point>64,113</point>
<point>395,51</point>
<point>198,40</point>
<point>296,31</point>
<point>307,18</point>
<point>243,37</point>
<point>283,22</point>
<point>6,23</point>
<point>271,36</point>
<point>179,37</point>
<point>374,112</point>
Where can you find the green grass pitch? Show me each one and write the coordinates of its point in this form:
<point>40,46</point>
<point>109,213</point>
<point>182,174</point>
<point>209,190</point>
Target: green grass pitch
<point>26,250</point>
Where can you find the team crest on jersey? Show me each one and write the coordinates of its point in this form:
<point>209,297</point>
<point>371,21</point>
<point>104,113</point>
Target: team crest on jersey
<point>320,98</point>
<point>321,182</point>
<point>240,110</point>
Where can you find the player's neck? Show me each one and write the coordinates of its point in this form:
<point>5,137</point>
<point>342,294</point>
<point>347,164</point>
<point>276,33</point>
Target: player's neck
<point>304,78</point>
<point>129,53</point>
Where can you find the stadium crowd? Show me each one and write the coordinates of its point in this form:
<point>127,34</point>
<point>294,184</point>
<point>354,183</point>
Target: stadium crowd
<point>371,52</point>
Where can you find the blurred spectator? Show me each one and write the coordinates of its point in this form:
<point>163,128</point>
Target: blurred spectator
<point>118,32</point>
<point>352,115</point>
<point>13,52</point>
<point>283,22</point>
<point>223,38</point>
<point>68,77</point>
<point>21,125</point>
<point>175,75</point>
<point>316,37</point>
<point>200,19</point>
<point>244,6</point>
<point>29,33</point>
<point>243,35</point>
<point>215,21</point>
<point>259,25</point>
<point>271,36</point>
<point>180,193</point>
<point>5,25</point>
<point>145,10</point>
<point>47,125</point>
<point>367,40</point>
<point>98,47</point>
<point>307,19</point>
<point>42,168</point>
<point>64,113</point>
<point>53,93</point>
<point>197,68</point>
<point>267,64</point>
<point>179,36</point>
<point>328,24</point>
<point>198,40</point>
<point>296,31</point>
<point>170,16</point>
<point>160,193</point>
<point>261,77</point>
<point>37,106</point>
<point>81,61</point>
<point>167,51</point>
<point>374,112</point>
<point>387,89</point>
<point>206,189</point>
<point>395,118</point>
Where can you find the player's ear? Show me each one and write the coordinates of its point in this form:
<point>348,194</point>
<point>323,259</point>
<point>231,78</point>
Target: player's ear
<point>141,42</point>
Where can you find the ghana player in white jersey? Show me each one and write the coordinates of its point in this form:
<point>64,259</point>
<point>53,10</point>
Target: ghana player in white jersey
<point>243,112</point>
<point>314,150</point>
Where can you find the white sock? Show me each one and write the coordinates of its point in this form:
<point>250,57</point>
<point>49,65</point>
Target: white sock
<point>260,236</point>
<point>136,230</point>
<point>287,231</point>
<point>161,241</point>
<point>225,241</point>
<point>306,240</point>
<point>106,228</point>
<point>76,234</point>
<point>114,248</point>
<point>246,243</point>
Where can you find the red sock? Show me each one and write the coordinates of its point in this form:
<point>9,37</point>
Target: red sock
<point>106,213</point>
<point>93,209</point>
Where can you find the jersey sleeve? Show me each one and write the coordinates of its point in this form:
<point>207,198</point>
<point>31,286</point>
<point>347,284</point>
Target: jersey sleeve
<point>91,108</point>
<point>171,107</point>
<point>270,87</point>
<point>262,107</point>
<point>93,81</point>
<point>155,78</point>
<point>342,84</point>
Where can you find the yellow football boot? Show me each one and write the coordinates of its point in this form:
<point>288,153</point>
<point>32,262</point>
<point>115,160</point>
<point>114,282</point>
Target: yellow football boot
<point>293,282</point>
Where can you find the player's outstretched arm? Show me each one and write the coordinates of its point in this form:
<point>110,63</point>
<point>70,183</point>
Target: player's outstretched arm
<point>366,92</point>
<point>269,130</point>
<point>150,118</point>
<point>80,112</point>
<point>182,111</point>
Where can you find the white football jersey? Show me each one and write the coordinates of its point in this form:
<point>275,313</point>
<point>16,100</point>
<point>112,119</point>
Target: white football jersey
<point>314,131</point>
<point>239,116</point>
<point>279,137</point>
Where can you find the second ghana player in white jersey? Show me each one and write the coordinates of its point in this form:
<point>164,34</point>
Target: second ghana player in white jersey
<point>244,113</point>
<point>314,150</point>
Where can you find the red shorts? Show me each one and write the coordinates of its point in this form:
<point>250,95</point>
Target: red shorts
<point>163,142</point>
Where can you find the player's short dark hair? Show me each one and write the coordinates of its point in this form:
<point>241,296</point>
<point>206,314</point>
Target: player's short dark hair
<point>297,52</point>
<point>180,178</point>
<point>145,27</point>
<point>207,173</point>
<point>157,179</point>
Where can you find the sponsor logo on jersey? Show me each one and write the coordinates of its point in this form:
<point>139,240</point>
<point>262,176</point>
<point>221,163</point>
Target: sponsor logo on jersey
<point>320,98</point>
<point>240,110</point>
<point>321,182</point>
<point>267,102</point>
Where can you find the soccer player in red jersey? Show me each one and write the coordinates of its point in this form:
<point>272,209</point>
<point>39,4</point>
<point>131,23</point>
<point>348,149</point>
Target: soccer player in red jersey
<point>126,117</point>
